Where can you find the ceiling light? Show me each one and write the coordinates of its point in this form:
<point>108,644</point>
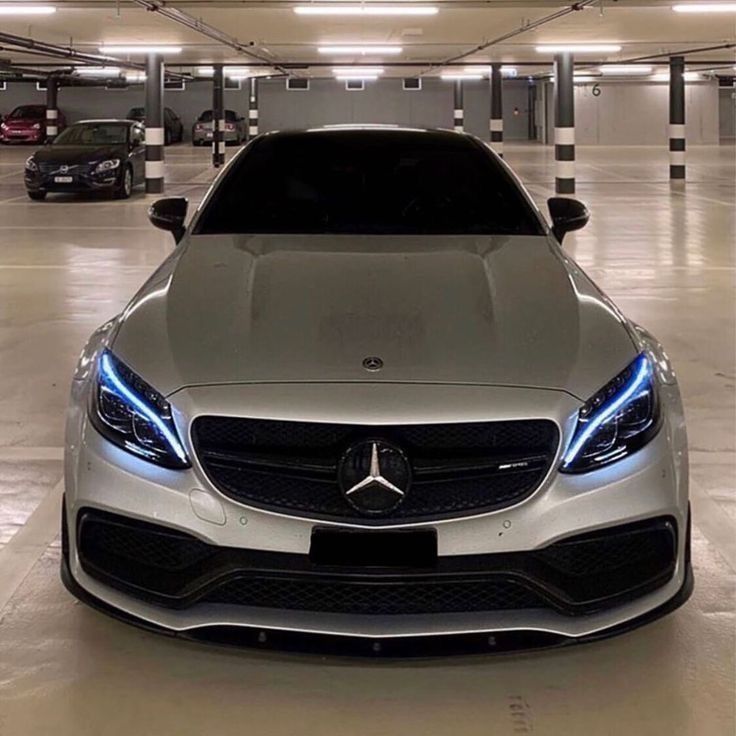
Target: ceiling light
<point>625,69</point>
<point>375,70</point>
<point>97,71</point>
<point>460,76</point>
<point>356,77</point>
<point>665,76</point>
<point>360,50</point>
<point>368,9</point>
<point>16,9</point>
<point>705,8</point>
<point>135,76</point>
<point>139,49</point>
<point>579,48</point>
<point>206,71</point>
<point>584,78</point>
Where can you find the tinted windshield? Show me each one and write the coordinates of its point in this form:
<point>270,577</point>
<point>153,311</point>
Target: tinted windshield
<point>28,111</point>
<point>136,112</point>
<point>93,134</point>
<point>376,182</point>
<point>206,116</point>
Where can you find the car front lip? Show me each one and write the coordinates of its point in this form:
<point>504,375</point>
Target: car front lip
<point>81,183</point>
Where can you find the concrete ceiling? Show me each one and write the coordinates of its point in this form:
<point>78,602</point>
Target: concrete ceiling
<point>273,31</point>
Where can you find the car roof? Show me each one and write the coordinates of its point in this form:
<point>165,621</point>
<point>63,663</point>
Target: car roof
<point>122,121</point>
<point>369,130</point>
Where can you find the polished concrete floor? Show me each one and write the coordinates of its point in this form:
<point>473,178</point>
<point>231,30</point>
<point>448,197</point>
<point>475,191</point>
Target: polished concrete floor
<point>668,257</point>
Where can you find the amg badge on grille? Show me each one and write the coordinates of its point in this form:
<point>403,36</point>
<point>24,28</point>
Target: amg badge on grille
<point>374,476</point>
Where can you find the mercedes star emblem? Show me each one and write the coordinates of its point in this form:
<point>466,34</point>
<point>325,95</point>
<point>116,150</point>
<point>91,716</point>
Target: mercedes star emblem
<point>374,476</point>
<point>372,363</point>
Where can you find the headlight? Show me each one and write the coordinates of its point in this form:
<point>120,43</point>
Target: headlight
<point>617,420</point>
<point>109,165</point>
<point>31,164</point>
<point>133,415</point>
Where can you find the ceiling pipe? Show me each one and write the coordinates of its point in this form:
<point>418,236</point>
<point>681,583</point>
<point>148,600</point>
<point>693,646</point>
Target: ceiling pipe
<point>194,24</point>
<point>506,36</point>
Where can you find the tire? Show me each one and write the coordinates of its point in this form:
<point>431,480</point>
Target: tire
<point>37,196</point>
<point>125,187</point>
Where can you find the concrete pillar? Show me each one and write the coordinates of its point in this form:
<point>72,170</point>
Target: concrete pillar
<point>564,125</point>
<point>253,109</point>
<point>218,116</point>
<point>677,117</point>
<point>154,86</point>
<point>496,124</point>
<point>458,113</point>
<point>52,109</point>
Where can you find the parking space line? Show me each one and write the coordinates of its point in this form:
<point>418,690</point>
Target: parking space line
<point>31,454</point>
<point>20,554</point>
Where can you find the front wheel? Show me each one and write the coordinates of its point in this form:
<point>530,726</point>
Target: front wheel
<point>37,196</point>
<point>125,188</point>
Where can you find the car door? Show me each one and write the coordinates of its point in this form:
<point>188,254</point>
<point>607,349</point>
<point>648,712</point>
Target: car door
<point>138,152</point>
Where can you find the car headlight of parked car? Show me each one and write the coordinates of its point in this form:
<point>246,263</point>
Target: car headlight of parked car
<point>133,415</point>
<point>108,165</point>
<point>31,164</point>
<point>617,420</point>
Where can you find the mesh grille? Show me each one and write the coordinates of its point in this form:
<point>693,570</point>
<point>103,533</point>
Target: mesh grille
<point>301,476</point>
<point>375,598</point>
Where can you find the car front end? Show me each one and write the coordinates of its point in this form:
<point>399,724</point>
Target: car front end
<point>72,177</point>
<point>22,131</point>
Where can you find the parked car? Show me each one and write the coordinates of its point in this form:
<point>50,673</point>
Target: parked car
<point>235,128</point>
<point>173,126</point>
<point>369,399</point>
<point>91,155</point>
<point>27,124</point>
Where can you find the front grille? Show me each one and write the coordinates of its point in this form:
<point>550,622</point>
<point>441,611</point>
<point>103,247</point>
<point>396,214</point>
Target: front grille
<point>377,599</point>
<point>457,469</point>
<point>577,575</point>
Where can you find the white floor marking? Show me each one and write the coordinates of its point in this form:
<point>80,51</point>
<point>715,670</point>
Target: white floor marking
<point>31,454</point>
<point>20,554</point>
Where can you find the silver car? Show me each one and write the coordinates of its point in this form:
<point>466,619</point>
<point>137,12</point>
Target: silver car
<point>234,131</point>
<point>368,404</point>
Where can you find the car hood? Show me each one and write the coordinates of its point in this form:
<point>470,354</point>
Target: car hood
<point>23,122</point>
<point>78,154</point>
<point>505,311</point>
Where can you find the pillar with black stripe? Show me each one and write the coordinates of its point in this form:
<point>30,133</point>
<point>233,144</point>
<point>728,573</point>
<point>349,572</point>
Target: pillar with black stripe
<point>218,116</point>
<point>154,124</point>
<point>458,113</point>
<point>677,117</point>
<point>253,108</point>
<point>52,109</point>
<point>564,125</point>
<point>496,124</point>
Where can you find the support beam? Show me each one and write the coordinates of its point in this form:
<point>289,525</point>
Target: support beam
<point>677,117</point>
<point>253,109</point>
<point>52,109</point>
<point>564,125</point>
<point>218,116</point>
<point>496,124</point>
<point>154,124</point>
<point>458,113</point>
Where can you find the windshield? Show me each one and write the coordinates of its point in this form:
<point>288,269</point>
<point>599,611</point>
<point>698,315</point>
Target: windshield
<point>368,182</point>
<point>93,134</point>
<point>137,112</point>
<point>28,111</point>
<point>206,116</point>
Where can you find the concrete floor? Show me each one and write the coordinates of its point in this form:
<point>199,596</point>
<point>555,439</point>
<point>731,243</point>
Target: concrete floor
<point>666,255</point>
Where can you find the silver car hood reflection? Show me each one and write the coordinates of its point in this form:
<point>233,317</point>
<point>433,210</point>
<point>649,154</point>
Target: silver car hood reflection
<point>502,311</point>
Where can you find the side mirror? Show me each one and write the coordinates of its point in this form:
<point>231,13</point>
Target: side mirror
<point>169,214</point>
<point>567,215</point>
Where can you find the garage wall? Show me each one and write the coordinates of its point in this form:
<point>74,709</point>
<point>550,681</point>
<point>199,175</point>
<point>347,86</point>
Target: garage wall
<point>625,113</point>
<point>637,113</point>
<point>727,113</point>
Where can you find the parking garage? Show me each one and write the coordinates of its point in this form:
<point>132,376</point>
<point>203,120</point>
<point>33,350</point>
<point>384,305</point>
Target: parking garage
<point>628,107</point>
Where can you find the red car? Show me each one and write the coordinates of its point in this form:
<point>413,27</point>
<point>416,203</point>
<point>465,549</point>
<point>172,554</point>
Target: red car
<point>27,124</point>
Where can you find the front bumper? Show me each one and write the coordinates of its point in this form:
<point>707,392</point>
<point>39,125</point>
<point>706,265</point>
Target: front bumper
<point>648,485</point>
<point>81,182</point>
<point>22,136</point>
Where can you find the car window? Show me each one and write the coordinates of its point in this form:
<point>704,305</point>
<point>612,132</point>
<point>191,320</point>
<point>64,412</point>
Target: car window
<point>28,111</point>
<point>137,112</point>
<point>206,116</point>
<point>231,116</point>
<point>373,183</point>
<point>93,134</point>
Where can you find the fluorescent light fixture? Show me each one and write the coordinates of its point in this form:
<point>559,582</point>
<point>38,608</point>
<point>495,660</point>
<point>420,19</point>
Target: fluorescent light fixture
<point>665,76</point>
<point>206,71</point>
<point>626,69</point>
<point>356,77</point>
<point>135,76</point>
<point>506,70</point>
<point>705,8</point>
<point>139,49</point>
<point>585,78</point>
<point>459,76</point>
<point>97,71</point>
<point>373,70</point>
<point>16,9</point>
<point>362,50</point>
<point>406,8</point>
<point>579,48</point>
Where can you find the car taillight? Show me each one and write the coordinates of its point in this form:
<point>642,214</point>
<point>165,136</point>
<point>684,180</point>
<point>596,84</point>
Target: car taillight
<point>198,126</point>
<point>229,126</point>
